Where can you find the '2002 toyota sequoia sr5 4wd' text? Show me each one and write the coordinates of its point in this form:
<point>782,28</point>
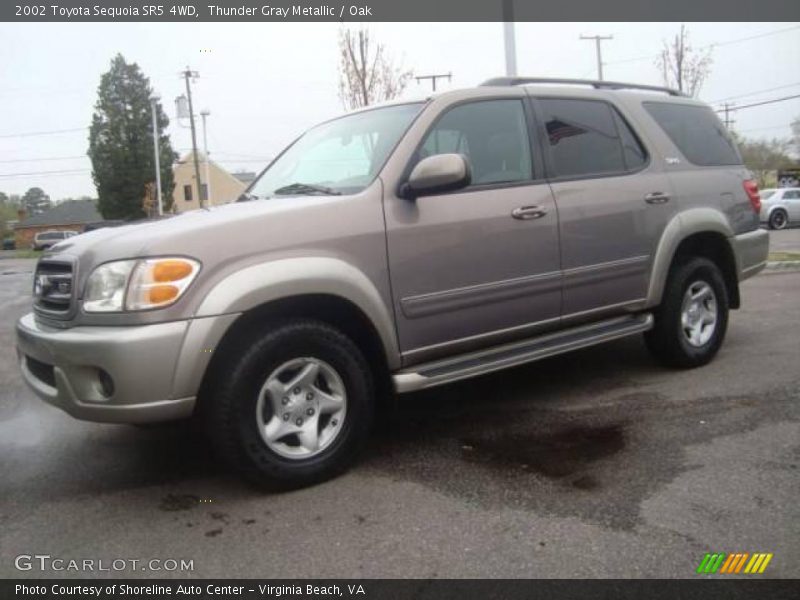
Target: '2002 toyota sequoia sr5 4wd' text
<point>398,248</point>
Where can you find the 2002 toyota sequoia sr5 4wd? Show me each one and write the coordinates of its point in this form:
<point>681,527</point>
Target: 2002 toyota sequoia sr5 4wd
<point>408,245</point>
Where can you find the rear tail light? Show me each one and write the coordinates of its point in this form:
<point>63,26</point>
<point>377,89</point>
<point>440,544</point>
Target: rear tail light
<point>751,189</point>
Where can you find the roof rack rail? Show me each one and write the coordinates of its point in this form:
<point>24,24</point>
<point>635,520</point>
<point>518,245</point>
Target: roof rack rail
<point>600,85</point>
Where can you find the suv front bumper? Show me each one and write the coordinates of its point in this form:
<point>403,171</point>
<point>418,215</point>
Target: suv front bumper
<point>107,374</point>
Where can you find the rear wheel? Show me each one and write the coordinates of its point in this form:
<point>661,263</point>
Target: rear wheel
<point>691,322</point>
<point>295,406</point>
<point>778,219</point>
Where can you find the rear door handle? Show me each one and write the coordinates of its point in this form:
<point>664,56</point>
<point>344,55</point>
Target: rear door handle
<point>528,212</point>
<point>656,198</point>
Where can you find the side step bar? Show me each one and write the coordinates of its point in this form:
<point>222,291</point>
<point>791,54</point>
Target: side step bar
<point>439,372</point>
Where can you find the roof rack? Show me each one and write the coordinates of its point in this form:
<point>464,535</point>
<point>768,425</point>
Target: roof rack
<point>599,85</point>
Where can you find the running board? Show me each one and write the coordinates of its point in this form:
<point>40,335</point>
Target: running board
<point>468,365</point>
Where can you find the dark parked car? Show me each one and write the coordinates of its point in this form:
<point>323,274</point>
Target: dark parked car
<point>9,244</point>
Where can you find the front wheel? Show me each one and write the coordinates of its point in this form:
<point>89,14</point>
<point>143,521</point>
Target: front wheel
<point>691,322</point>
<point>295,406</point>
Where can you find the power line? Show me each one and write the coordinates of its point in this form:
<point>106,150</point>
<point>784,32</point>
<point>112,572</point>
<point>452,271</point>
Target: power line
<point>32,173</point>
<point>773,101</point>
<point>712,45</point>
<point>785,126</point>
<point>35,133</point>
<point>24,160</point>
<point>780,87</point>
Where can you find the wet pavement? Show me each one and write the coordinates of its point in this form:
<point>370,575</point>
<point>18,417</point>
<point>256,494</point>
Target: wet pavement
<point>595,464</point>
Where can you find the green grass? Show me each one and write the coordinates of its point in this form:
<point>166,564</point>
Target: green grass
<point>27,254</point>
<point>783,256</point>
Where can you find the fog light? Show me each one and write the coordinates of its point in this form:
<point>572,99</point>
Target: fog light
<point>106,383</point>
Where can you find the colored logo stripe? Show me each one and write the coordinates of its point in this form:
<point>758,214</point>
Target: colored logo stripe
<point>711,563</point>
<point>734,563</point>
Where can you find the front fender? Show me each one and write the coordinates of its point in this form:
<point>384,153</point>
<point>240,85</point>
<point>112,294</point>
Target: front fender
<point>681,226</point>
<point>262,283</point>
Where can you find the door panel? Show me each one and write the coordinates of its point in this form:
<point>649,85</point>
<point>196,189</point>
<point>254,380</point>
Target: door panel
<point>612,202</point>
<point>480,265</point>
<point>608,237</point>
<point>792,200</point>
<point>462,266</point>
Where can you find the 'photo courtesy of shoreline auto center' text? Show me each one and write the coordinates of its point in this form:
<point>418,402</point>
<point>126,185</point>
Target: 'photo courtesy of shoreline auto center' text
<point>479,299</point>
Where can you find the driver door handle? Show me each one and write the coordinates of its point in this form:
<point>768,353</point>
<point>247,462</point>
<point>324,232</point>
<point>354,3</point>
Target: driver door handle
<point>656,198</point>
<point>525,213</point>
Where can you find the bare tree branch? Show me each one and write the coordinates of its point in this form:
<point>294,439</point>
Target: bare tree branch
<point>682,66</point>
<point>367,74</point>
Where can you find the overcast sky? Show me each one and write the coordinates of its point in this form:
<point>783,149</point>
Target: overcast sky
<point>265,83</point>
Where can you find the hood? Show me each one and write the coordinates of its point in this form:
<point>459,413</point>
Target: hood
<point>196,233</point>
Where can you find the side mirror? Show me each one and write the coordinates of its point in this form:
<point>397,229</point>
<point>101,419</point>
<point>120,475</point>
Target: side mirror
<point>437,174</point>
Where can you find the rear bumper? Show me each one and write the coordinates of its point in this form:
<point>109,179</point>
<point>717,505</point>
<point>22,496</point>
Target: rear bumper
<point>750,250</point>
<point>107,374</point>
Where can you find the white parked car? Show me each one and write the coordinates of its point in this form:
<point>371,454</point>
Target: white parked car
<point>44,239</point>
<point>780,207</point>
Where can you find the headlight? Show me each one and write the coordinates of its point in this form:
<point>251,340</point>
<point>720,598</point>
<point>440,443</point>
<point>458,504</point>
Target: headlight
<point>105,290</point>
<point>138,284</point>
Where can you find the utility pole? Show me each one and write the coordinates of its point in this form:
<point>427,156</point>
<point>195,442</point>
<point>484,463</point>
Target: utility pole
<point>156,139</point>
<point>597,39</point>
<point>433,78</point>
<point>205,113</point>
<point>509,38</point>
<point>187,75</point>
<point>727,109</point>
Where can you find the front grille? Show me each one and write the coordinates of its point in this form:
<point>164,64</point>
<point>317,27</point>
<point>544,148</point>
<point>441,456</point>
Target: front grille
<point>53,288</point>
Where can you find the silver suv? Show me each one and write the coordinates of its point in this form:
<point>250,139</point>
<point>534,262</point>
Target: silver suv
<point>44,239</point>
<point>399,248</point>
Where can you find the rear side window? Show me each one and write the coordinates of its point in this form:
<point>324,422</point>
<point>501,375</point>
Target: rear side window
<point>697,132</point>
<point>588,137</point>
<point>492,134</point>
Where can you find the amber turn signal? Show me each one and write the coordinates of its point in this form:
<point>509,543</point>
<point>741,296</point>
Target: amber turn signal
<point>171,270</point>
<point>160,294</point>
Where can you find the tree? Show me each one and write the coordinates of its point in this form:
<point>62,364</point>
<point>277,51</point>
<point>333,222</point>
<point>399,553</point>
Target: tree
<point>682,66</point>
<point>121,143</point>
<point>764,157</point>
<point>796,137</point>
<point>35,201</point>
<point>367,74</point>
<point>8,212</point>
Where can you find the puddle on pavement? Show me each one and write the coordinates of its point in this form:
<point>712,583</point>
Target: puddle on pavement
<point>554,455</point>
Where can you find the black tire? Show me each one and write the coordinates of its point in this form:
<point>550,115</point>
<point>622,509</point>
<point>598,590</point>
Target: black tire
<point>778,219</point>
<point>667,340</point>
<point>231,419</point>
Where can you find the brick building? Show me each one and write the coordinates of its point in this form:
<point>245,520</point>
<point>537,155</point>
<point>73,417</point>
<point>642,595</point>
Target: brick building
<point>72,215</point>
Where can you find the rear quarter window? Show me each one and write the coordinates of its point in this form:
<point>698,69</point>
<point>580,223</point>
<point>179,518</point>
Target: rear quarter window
<point>697,132</point>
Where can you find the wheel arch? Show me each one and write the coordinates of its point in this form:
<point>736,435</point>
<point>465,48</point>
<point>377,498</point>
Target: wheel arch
<point>696,232</point>
<point>273,287</point>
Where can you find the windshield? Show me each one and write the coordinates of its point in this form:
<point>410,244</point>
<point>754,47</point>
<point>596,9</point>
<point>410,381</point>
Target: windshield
<point>342,156</point>
<point>766,194</point>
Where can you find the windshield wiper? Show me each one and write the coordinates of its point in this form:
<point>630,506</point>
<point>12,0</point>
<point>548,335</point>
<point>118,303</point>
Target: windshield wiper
<point>306,188</point>
<point>246,196</point>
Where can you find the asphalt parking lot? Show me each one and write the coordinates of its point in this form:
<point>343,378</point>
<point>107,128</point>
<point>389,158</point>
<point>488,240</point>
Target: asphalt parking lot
<point>594,464</point>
